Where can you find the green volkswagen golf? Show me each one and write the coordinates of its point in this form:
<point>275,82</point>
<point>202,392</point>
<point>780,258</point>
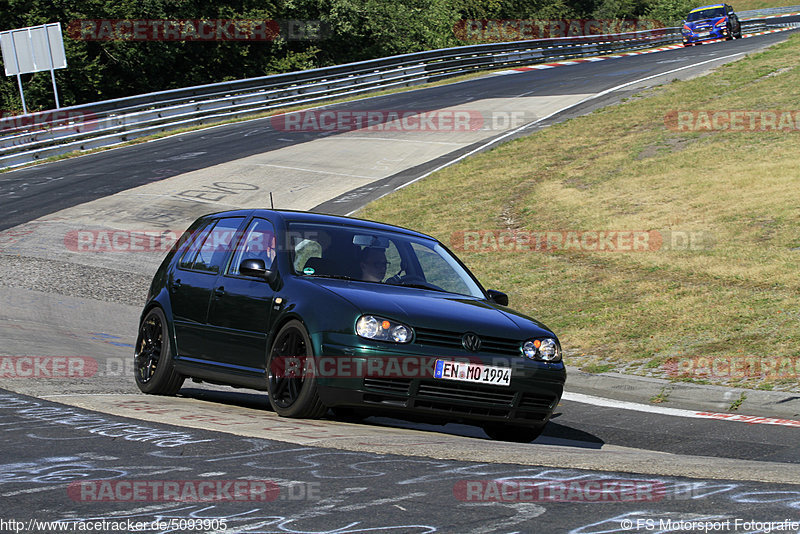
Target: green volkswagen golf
<point>325,312</point>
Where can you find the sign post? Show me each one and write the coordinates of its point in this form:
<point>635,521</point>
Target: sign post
<point>21,94</point>
<point>33,49</point>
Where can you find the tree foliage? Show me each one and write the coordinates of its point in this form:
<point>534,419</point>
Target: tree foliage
<point>353,30</point>
<point>671,12</point>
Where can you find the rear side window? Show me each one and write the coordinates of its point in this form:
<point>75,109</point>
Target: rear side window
<point>210,255</point>
<point>197,237</point>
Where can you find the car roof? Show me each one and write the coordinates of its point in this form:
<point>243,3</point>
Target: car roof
<point>706,7</point>
<point>310,217</point>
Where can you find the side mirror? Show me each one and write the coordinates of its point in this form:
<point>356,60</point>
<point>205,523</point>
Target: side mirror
<point>257,268</point>
<point>498,297</point>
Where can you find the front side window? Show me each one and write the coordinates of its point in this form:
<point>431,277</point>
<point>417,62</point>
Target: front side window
<point>257,243</point>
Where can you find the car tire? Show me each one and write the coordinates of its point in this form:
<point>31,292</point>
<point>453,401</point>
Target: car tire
<point>514,433</point>
<point>729,36</point>
<point>292,396</point>
<point>153,368</point>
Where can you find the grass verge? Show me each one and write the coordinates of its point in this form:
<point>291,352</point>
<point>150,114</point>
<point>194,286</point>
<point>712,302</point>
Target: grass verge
<point>746,5</point>
<point>717,300</point>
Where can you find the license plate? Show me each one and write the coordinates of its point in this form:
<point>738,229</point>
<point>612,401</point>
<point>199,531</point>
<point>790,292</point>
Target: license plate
<point>472,372</point>
<point>703,34</point>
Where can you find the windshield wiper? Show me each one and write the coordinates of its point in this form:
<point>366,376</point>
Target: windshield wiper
<point>421,286</point>
<point>336,276</point>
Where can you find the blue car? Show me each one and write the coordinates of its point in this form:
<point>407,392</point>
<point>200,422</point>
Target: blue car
<point>706,23</point>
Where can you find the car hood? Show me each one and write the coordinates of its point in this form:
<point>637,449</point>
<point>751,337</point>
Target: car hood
<point>422,308</point>
<point>703,22</point>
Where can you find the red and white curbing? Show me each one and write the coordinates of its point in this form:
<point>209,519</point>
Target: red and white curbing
<point>576,61</point>
<point>678,412</point>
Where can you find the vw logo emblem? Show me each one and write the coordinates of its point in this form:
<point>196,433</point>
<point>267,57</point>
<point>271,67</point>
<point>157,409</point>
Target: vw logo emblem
<point>471,342</point>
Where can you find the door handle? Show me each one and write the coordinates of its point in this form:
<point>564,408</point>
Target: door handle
<point>176,284</point>
<point>219,292</point>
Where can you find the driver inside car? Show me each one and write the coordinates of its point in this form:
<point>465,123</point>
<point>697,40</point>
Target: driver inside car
<point>373,264</point>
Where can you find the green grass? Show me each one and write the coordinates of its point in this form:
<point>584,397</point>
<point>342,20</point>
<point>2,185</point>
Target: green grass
<point>621,168</point>
<point>597,368</point>
<point>735,405</point>
<point>661,397</point>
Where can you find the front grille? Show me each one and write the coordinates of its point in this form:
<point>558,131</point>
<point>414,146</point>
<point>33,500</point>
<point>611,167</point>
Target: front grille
<point>452,340</point>
<point>457,398</point>
<point>463,410</point>
<point>446,391</point>
<point>532,416</point>
<point>530,400</point>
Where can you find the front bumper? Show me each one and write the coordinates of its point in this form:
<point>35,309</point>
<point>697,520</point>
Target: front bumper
<point>535,388</point>
<point>705,35</point>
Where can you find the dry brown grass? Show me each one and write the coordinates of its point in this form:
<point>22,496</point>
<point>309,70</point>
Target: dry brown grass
<point>744,5</point>
<point>621,168</point>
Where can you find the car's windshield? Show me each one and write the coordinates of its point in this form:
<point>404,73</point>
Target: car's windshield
<point>354,253</point>
<point>710,13</point>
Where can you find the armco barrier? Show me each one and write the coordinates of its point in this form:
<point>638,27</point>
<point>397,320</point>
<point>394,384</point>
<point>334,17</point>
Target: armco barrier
<point>767,12</point>
<point>111,122</point>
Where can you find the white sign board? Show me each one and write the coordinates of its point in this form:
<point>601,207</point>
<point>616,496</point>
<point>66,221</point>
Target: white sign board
<point>33,49</point>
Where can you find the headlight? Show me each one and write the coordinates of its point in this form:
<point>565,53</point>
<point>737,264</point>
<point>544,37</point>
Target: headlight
<point>372,327</point>
<point>546,350</point>
<point>549,350</point>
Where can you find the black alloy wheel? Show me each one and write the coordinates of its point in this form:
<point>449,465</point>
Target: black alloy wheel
<point>292,384</point>
<point>153,367</point>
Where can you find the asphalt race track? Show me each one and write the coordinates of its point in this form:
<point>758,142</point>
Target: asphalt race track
<point>91,448</point>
